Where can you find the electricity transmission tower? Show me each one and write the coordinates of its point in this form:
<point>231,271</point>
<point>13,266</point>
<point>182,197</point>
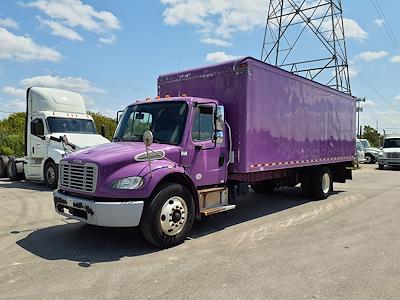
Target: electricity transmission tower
<point>306,37</point>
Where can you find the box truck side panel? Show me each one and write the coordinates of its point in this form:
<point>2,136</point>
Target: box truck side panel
<point>295,122</point>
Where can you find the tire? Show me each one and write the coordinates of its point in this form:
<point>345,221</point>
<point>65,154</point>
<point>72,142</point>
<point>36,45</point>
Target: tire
<point>381,167</point>
<point>306,186</point>
<point>369,159</point>
<point>14,170</point>
<point>322,185</point>
<point>51,175</point>
<point>264,187</point>
<point>3,166</point>
<point>168,217</point>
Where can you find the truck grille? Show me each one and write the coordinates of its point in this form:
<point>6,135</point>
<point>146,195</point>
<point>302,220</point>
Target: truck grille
<point>393,155</point>
<point>78,177</point>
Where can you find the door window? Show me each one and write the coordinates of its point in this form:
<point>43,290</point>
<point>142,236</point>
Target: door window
<point>37,127</point>
<point>203,124</point>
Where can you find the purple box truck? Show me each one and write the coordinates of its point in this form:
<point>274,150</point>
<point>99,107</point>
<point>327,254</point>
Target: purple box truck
<point>210,134</point>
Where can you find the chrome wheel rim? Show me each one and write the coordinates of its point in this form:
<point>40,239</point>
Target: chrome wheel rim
<point>326,183</point>
<point>50,175</point>
<point>173,215</point>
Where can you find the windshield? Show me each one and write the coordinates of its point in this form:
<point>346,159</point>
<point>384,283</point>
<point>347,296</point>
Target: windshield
<point>166,120</point>
<point>392,143</point>
<point>359,146</point>
<point>365,144</point>
<point>67,125</point>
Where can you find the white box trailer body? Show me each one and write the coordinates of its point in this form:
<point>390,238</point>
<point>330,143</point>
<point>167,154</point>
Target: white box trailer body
<point>56,123</point>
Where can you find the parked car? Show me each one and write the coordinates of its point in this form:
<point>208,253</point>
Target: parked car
<point>390,155</point>
<point>371,153</point>
<point>360,153</point>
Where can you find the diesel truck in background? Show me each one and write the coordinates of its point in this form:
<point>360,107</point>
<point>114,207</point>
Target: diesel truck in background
<point>56,124</point>
<point>210,133</point>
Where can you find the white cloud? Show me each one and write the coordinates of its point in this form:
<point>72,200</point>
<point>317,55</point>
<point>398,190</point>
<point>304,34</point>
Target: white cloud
<point>14,91</point>
<point>23,48</point>
<point>353,72</point>
<point>58,29</point>
<point>109,40</point>
<point>379,22</point>
<point>69,83</point>
<point>74,13</point>
<point>372,55</point>
<point>369,103</point>
<point>220,19</point>
<point>17,104</point>
<point>395,59</point>
<point>353,30</point>
<point>219,57</point>
<point>216,42</point>
<point>397,98</point>
<point>9,23</point>
<point>216,19</point>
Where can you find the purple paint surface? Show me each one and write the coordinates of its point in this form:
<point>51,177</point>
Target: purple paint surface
<point>278,120</point>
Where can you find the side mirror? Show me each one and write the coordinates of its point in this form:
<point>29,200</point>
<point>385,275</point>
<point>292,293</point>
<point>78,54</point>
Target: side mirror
<point>220,118</point>
<point>119,115</point>
<point>219,137</point>
<point>219,124</point>
<point>33,127</point>
<point>148,138</point>
<point>103,130</point>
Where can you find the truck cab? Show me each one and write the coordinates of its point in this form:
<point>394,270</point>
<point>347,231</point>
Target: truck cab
<point>390,155</point>
<point>161,184</point>
<point>56,124</point>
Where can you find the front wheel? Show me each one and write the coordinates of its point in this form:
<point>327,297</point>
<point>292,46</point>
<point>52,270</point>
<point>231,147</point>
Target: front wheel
<point>168,218</point>
<point>51,175</point>
<point>369,159</point>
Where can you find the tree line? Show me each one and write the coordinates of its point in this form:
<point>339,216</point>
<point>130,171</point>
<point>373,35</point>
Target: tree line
<point>12,132</point>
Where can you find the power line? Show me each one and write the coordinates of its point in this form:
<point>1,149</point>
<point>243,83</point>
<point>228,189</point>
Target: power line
<point>386,25</point>
<point>39,70</point>
<point>378,93</point>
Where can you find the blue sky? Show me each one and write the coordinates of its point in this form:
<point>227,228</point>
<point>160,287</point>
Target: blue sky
<point>113,51</point>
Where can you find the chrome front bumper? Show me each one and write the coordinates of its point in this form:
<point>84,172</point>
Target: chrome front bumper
<point>389,161</point>
<point>107,214</point>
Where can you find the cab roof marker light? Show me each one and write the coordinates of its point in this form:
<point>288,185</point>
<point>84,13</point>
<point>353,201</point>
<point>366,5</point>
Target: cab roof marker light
<point>184,95</point>
<point>167,96</point>
<point>157,97</point>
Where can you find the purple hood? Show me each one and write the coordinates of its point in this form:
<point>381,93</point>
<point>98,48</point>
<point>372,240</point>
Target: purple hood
<point>117,153</point>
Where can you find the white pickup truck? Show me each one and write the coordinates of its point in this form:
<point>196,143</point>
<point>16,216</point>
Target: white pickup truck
<point>56,123</point>
<point>390,155</point>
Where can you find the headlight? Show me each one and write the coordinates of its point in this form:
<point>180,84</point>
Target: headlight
<point>128,183</point>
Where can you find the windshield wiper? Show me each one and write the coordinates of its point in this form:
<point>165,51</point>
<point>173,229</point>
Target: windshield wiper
<point>117,139</point>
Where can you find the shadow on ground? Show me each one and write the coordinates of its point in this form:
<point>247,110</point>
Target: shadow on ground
<point>89,244</point>
<point>8,184</point>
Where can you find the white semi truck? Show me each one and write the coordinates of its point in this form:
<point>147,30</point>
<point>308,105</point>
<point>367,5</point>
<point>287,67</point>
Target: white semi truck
<point>56,124</point>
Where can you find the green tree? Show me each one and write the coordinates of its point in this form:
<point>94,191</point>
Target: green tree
<point>109,123</point>
<point>372,136</point>
<point>12,132</point>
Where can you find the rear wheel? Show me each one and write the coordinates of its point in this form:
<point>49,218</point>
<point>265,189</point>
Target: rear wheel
<point>168,218</point>
<point>3,166</point>
<point>14,170</point>
<point>322,184</point>
<point>51,175</point>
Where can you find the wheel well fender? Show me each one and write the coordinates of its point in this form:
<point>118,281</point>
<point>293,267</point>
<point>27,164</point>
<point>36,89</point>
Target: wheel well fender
<point>183,179</point>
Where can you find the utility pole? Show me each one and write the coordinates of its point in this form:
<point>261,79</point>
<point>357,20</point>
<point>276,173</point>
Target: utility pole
<point>358,110</point>
<point>295,25</point>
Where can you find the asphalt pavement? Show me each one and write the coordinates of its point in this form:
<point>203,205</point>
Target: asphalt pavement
<point>279,246</point>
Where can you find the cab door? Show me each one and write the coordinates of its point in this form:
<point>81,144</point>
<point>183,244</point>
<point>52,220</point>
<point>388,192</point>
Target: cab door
<point>37,148</point>
<point>206,159</point>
